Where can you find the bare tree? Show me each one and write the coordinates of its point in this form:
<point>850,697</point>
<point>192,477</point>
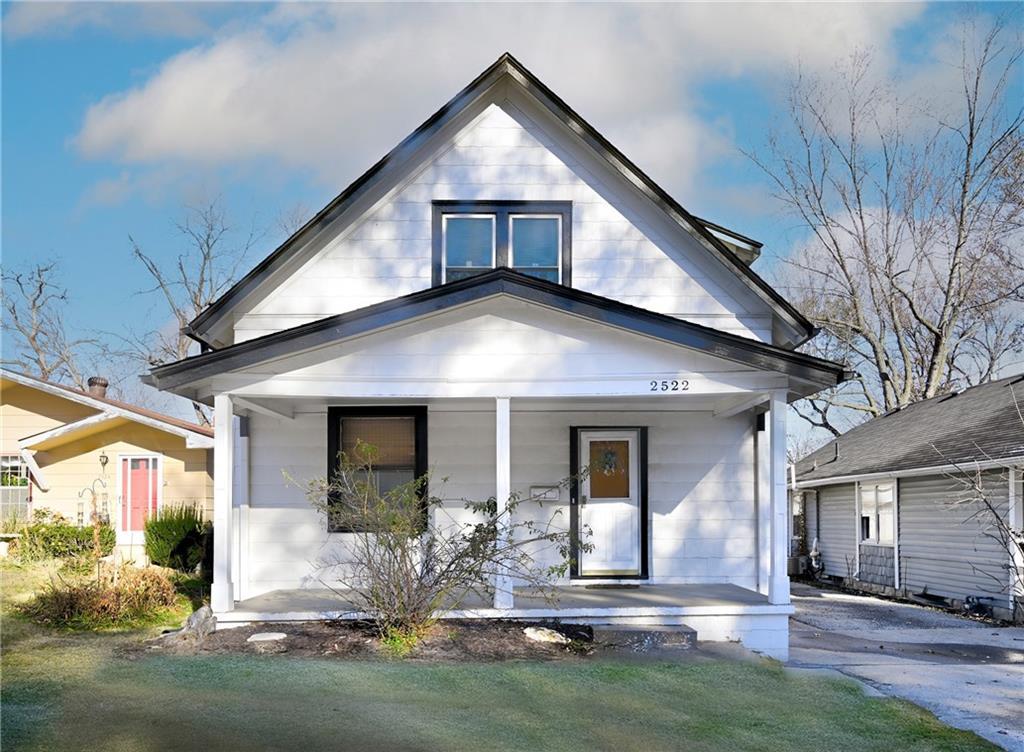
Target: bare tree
<point>914,271</point>
<point>34,317</point>
<point>209,264</point>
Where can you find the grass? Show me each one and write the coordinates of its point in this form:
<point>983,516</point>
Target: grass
<point>81,692</point>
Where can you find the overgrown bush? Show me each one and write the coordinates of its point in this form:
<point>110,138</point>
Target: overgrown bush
<point>176,537</point>
<point>403,563</point>
<point>51,536</point>
<point>121,596</point>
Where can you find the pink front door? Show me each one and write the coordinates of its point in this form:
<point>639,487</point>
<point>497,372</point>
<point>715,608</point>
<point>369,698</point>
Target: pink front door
<point>139,478</point>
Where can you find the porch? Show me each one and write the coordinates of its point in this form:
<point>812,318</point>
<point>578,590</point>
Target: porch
<point>717,611</point>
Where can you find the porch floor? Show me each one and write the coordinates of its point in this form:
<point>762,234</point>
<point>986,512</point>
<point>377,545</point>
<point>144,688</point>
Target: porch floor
<point>574,601</point>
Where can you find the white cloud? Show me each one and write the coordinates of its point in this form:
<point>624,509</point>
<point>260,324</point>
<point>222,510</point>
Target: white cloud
<point>330,88</point>
<point>170,19</point>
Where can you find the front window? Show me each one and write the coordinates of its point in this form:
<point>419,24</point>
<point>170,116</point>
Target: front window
<point>397,434</point>
<point>877,512</point>
<point>474,237</point>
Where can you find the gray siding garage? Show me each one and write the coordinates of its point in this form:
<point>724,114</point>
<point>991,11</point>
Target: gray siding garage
<point>944,545</point>
<point>917,496</point>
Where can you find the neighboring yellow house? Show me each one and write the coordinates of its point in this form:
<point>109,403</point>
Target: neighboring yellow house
<point>60,448</point>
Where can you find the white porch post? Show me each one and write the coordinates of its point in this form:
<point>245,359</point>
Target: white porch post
<point>503,488</point>
<point>775,423</point>
<point>762,443</point>
<point>222,597</point>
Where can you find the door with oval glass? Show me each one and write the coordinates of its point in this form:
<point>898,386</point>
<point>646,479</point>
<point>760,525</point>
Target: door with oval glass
<point>609,502</point>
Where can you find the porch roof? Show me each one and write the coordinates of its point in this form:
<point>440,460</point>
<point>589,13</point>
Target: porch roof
<point>765,357</point>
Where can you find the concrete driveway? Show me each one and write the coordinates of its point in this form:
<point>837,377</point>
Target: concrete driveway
<point>970,674</point>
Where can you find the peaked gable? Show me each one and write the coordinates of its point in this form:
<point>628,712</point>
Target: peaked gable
<point>212,324</point>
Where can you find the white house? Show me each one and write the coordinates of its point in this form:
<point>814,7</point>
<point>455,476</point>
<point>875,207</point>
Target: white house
<point>505,296</point>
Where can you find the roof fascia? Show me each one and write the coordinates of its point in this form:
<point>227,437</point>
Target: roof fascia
<point>967,466</point>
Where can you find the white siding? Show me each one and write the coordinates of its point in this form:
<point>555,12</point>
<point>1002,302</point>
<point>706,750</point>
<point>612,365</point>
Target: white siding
<point>701,487</point>
<point>943,545</point>
<point>837,533</point>
<point>504,155</point>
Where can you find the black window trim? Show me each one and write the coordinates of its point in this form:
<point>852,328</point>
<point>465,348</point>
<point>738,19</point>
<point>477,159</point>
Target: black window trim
<point>336,413</point>
<point>503,211</point>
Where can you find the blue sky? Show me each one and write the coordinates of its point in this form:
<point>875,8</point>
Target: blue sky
<point>115,115</point>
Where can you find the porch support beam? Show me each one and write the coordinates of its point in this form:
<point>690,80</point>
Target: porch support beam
<point>222,597</point>
<point>262,408</point>
<point>778,583</point>
<point>727,410</point>
<point>503,490</point>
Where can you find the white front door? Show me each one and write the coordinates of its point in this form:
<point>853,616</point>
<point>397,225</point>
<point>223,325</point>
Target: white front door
<point>138,495</point>
<point>609,502</point>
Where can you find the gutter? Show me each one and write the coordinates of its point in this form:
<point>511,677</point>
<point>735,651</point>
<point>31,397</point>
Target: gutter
<point>1006,462</point>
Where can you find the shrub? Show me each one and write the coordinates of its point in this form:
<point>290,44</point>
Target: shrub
<point>176,538</point>
<point>51,536</point>
<point>403,563</point>
<point>122,596</point>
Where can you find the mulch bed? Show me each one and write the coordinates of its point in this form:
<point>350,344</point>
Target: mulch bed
<point>454,640</point>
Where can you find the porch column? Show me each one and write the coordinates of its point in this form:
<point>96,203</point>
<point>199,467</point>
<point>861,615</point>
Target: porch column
<point>775,423</point>
<point>222,596</point>
<point>503,489</point>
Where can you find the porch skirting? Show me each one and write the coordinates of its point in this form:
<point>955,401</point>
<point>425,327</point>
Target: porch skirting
<point>718,612</point>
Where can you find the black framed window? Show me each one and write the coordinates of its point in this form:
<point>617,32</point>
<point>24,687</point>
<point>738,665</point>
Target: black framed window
<point>398,433</point>
<point>532,237</point>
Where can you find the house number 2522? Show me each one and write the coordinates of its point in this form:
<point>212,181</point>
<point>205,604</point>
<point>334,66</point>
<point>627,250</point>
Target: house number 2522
<point>672,385</point>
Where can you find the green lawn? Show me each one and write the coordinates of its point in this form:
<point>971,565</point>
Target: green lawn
<point>78,692</point>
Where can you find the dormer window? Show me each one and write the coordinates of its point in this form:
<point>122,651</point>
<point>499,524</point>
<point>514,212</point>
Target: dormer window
<point>532,237</point>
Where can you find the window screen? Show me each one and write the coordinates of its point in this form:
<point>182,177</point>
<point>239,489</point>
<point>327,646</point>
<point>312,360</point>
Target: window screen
<point>394,439</point>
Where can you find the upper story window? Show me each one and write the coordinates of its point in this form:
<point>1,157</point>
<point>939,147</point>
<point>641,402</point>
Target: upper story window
<point>532,237</point>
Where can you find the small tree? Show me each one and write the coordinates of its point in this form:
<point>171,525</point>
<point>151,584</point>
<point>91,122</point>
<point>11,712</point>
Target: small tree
<point>405,563</point>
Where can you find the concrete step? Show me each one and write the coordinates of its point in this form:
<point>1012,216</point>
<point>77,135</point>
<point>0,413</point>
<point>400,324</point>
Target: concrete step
<point>647,638</point>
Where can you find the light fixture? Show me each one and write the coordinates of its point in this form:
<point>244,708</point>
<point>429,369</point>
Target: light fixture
<point>104,460</point>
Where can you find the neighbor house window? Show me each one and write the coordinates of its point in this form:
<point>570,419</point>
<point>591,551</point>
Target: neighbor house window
<point>877,512</point>
<point>532,237</point>
<point>15,489</point>
<point>397,434</point>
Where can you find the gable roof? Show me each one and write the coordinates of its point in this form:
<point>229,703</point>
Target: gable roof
<point>736,259</point>
<point>500,281</point>
<point>980,424</point>
<point>110,410</point>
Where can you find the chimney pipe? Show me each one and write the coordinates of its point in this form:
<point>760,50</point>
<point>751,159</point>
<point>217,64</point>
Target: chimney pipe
<point>98,386</point>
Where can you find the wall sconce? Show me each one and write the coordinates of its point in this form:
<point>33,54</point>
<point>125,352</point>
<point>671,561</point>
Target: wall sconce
<point>103,461</point>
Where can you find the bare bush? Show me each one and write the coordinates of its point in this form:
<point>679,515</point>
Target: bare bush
<point>407,561</point>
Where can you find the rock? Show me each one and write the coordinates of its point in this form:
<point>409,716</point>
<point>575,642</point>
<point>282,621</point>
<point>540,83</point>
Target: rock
<point>200,624</point>
<point>543,634</point>
<point>266,637</point>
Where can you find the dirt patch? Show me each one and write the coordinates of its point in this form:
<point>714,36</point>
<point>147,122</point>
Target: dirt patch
<point>453,640</point>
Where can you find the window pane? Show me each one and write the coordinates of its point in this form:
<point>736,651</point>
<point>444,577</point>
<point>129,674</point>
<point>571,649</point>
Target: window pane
<point>394,438</point>
<point>885,514</point>
<point>469,242</point>
<point>452,274</point>
<point>609,469</point>
<point>535,243</point>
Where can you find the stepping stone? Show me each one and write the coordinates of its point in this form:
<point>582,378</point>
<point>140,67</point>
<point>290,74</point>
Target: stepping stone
<point>267,637</point>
